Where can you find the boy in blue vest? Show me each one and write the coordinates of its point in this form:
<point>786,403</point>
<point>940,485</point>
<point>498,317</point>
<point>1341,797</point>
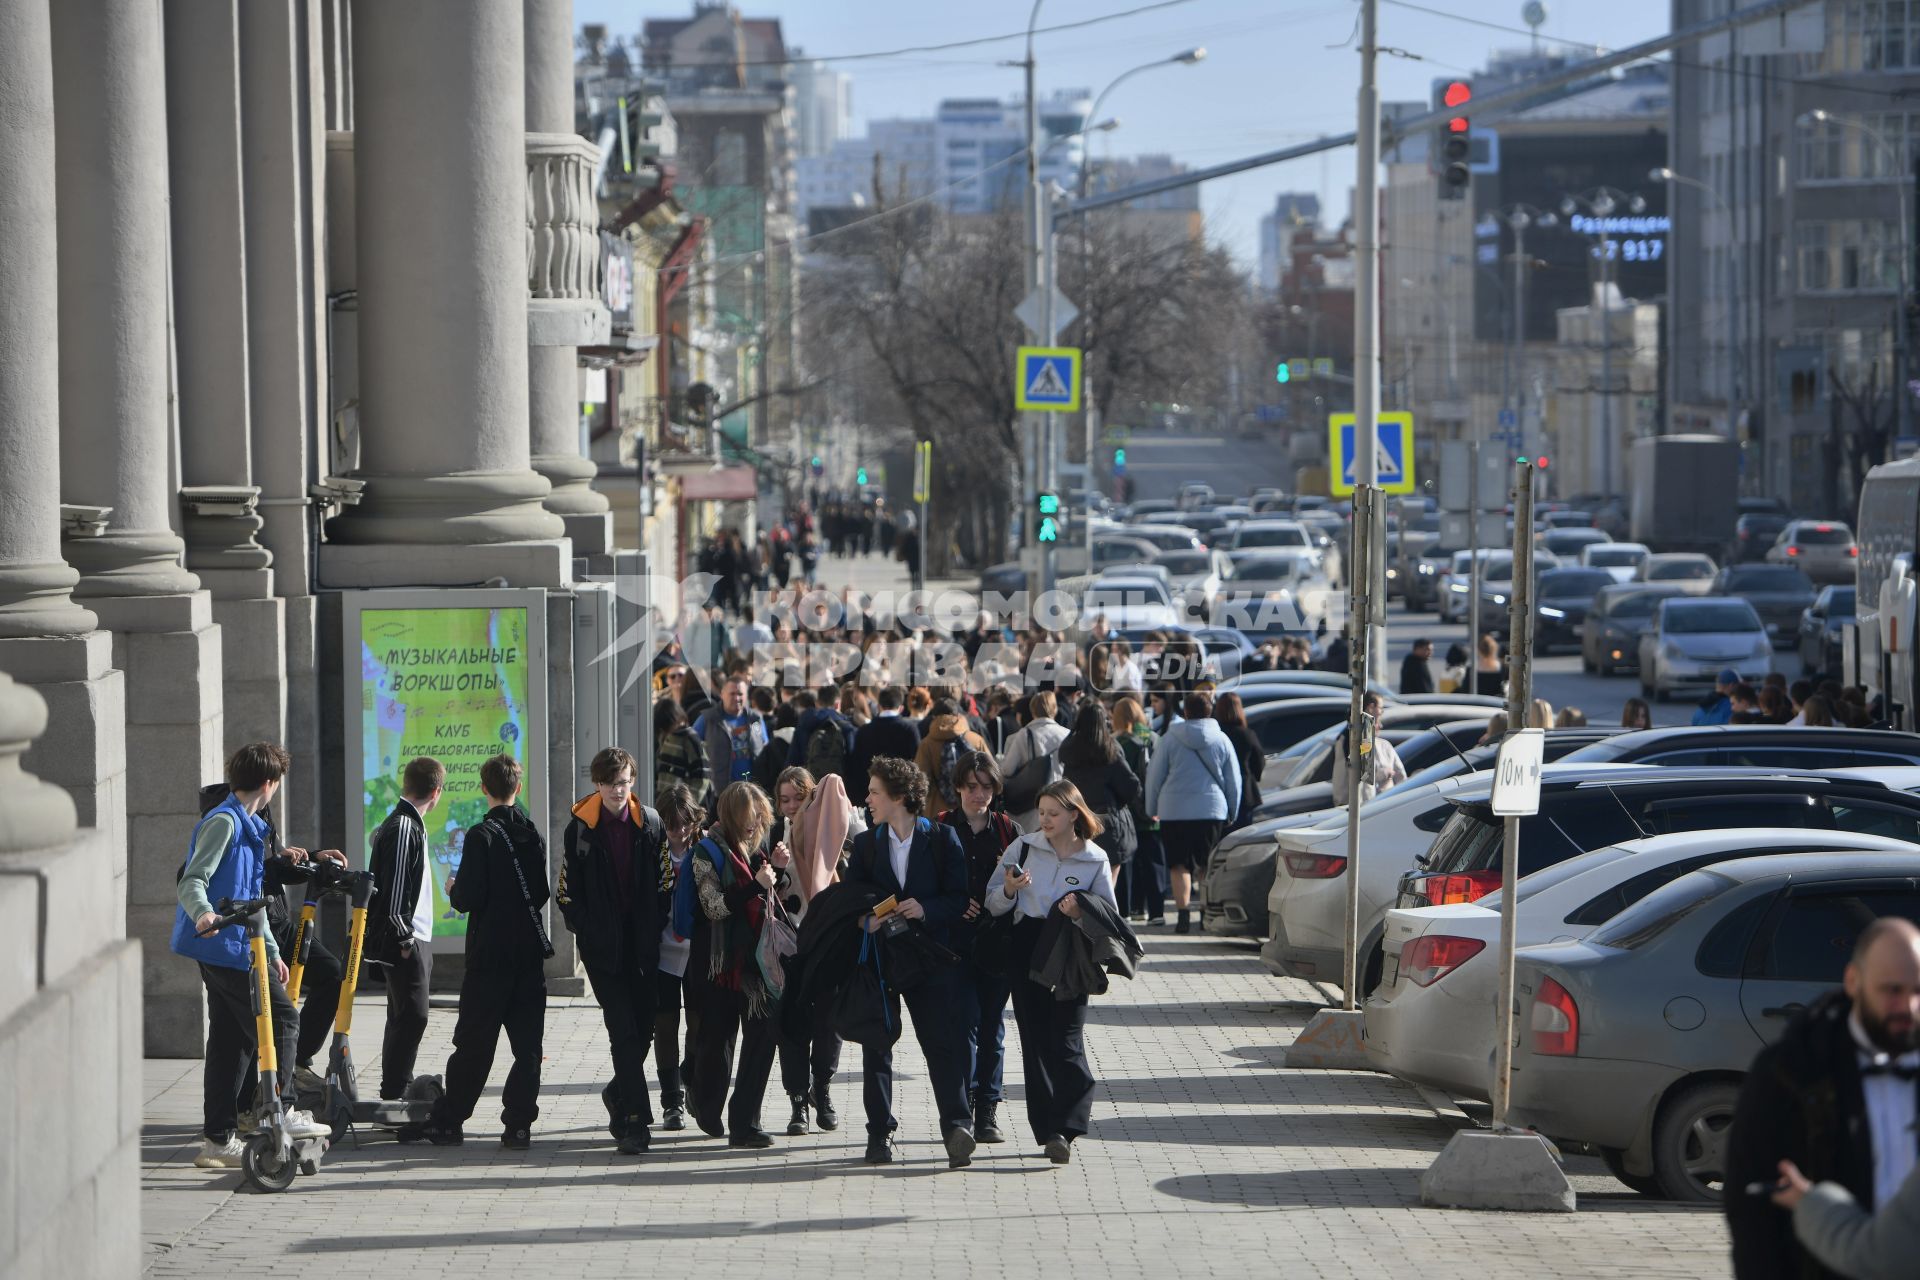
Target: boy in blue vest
<point>226,859</point>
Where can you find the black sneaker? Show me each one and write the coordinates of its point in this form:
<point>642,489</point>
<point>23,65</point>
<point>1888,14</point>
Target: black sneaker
<point>880,1149</point>
<point>673,1118</point>
<point>797,1126</point>
<point>1059,1150</point>
<point>960,1146</point>
<point>1183,924</point>
<point>517,1139</point>
<point>986,1121</point>
<point>823,1113</point>
<point>756,1139</point>
<point>633,1136</point>
<point>427,1131</point>
<point>615,1125</point>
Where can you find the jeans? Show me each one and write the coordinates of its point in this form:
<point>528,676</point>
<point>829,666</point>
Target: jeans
<point>991,992</point>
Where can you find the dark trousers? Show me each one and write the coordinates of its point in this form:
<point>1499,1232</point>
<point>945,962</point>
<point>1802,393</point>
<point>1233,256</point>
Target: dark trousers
<point>808,1062</point>
<point>627,1008</point>
<point>1147,886</point>
<point>666,1039</point>
<point>320,991</point>
<point>407,979</point>
<point>715,1018</point>
<point>232,1065</point>
<point>513,999</point>
<point>1053,1049</point>
<point>943,1022</point>
<point>991,992</point>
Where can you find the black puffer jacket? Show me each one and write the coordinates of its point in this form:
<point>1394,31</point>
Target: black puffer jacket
<point>589,896</point>
<point>504,925</point>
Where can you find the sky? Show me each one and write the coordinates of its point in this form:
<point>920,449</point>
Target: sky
<point>1277,72</point>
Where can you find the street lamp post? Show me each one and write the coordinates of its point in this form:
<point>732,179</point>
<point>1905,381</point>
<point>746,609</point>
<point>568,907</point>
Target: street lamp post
<point>1903,397</point>
<point>1737,366</point>
<point>1518,219</point>
<point>1602,203</point>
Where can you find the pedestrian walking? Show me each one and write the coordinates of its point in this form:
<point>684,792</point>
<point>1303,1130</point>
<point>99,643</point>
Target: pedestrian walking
<point>1383,768</point>
<point>1193,790</point>
<point>728,998</point>
<point>682,816</point>
<point>1847,1239</point>
<point>1835,1096</point>
<point>813,824</point>
<point>502,889</point>
<point>890,734</point>
<point>1489,675</point>
<point>1416,669</point>
<point>1032,758</point>
<point>1055,878</point>
<point>1092,761</point>
<point>734,734</point>
<point>678,756</point>
<point>920,865</point>
<point>1636,715</point>
<point>614,889</point>
<point>400,927</point>
<point>1232,717</point>
<point>985,833</point>
<point>1146,899</point>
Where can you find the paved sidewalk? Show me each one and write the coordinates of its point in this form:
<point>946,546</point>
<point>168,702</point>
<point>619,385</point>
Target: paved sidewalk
<point>1205,1158</point>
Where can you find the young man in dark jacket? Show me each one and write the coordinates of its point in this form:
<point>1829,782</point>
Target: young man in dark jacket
<point>502,887</point>
<point>616,892</point>
<point>400,928</point>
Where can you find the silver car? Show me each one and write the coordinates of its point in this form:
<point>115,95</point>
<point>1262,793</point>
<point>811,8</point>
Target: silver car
<point>1690,572</point>
<point>1633,1040</point>
<point>1824,550</point>
<point>1689,642</point>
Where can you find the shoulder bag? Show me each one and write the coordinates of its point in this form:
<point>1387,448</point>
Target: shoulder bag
<point>993,940</point>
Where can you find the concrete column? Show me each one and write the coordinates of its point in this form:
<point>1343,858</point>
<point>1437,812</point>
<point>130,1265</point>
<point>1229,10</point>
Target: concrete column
<point>116,451</point>
<point>440,213</point>
<point>46,640</point>
<point>554,371</point>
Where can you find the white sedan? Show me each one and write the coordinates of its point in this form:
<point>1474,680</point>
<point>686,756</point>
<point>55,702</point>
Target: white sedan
<point>1621,559</point>
<point>1431,1020</point>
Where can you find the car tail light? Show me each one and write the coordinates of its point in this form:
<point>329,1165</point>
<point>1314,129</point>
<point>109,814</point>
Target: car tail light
<point>1316,866</point>
<point>1793,551</point>
<point>1429,958</point>
<point>1853,550</point>
<point>1471,887</point>
<point>1555,1021</point>
<point>1823,528</point>
<point>1744,534</point>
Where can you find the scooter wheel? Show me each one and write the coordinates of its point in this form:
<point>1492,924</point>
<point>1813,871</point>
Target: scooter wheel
<point>261,1165</point>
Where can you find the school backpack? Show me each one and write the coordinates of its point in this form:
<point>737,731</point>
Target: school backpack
<point>950,753</point>
<point>827,749</point>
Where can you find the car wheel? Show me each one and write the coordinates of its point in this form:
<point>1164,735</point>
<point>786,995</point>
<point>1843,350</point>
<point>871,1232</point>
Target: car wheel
<point>1690,1141</point>
<point>1616,1162</point>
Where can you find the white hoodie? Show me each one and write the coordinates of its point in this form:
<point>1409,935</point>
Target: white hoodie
<point>1054,877</point>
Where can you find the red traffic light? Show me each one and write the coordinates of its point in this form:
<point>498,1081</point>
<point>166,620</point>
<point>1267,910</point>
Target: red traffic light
<point>1541,463</point>
<point>1458,93</point>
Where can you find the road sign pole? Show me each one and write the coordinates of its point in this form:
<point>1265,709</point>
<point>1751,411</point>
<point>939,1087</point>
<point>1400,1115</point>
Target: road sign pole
<point>1473,565</point>
<point>1366,292</point>
<point>1519,702</point>
<point>1361,617</point>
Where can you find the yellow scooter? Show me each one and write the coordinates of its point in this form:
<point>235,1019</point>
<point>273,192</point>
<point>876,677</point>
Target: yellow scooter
<point>271,1156</point>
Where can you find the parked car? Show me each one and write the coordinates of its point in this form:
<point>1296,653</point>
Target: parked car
<point>1819,638</point>
<point>1633,1040</point>
<point>1690,572</point>
<point>1779,593</point>
<point>1620,559</point>
<point>1754,535</point>
<point>1824,549</point>
<point>1431,1021</point>
<point>1773,746</point>
<point>1610,636</point>
<point>1688,643</point>
<point>1561,603</point>
<point>1279,725</point>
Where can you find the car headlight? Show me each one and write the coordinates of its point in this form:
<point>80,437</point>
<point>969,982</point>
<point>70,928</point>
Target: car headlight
<point>1672,652</point>
<point>1392,572</point>
<point>1427,569</point>
<point>1461,587</point>
<point>1499,599</point>
<point>1555,614</point>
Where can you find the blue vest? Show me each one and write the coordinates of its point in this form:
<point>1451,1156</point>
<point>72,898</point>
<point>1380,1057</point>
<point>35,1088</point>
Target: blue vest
<point>240,875</point>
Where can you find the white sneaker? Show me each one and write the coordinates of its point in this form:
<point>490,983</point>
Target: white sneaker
<point>218,1155</point>
<point>301,1124</point>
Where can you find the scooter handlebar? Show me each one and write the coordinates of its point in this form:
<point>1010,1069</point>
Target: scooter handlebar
<point>232,912</point>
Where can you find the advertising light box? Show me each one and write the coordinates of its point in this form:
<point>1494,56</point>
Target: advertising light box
<point>460,676</point>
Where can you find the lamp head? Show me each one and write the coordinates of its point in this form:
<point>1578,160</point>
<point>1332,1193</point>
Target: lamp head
<point>1816,116</point>
<point>1660,174</point>
<point>1196,54</point>
<point>1567,207</point>
<point>1636,204</point>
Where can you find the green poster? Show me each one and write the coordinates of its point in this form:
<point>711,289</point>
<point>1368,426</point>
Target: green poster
<point>451,683</point>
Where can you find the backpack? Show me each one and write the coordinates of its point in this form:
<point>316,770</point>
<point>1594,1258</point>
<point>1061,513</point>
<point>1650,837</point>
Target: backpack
<point>827,750</point>
<point>950,753</point>
<point>1021,792</point>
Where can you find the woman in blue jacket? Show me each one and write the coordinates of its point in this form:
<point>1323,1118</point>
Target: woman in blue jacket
<point>1193,788</point>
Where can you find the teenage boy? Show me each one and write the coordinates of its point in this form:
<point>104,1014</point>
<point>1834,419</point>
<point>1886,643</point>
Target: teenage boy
<point>501,886</point>
<point>226,859</point>
<point>616,892</point>
<point>400,928</point>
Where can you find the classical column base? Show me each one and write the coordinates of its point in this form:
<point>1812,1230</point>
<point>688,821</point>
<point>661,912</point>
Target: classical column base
<point>591,535</point>
<point>171,650</point>
<point>346,567</point>
<point>33,814</point>
<point>221,529</point>
<point>84,748</point>
<point>37,600</point>
<point>128,562</point>
<point>572,479</point>
<point>474,508</point>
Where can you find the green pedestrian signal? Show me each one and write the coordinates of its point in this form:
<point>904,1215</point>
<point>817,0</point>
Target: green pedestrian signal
<point>1048,527</point>
<point>860,476</point>
<point>1119,460</point>
<point>1283,372</point>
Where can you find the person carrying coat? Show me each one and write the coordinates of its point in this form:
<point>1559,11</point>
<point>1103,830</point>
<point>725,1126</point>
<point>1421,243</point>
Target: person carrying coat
<point>501,887</point>
<point>615,879</point>
<point>1193,788</point>
<point>1045,872</point>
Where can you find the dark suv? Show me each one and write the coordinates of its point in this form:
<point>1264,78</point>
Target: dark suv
<point>1799,748</point>
<point>1582,810</point>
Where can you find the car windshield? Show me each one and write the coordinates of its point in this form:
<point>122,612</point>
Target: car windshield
<point>1278,536</point>
<point>1573,583</point>
<point>1118,595</point>
<point>1823,535</point>
<point>1660,910</point>
<point>1266,569</point>
<point>1604,557</point>
<point>1569,541</point>
<point>1680,571</point>
<point>1709,617</point>
<point>1769,578</point>
<point>1635,604</point>
<point>1184,562</point>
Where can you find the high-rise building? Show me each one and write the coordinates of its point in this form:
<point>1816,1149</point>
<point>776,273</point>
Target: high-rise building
<point>1168,216</point>
<point>980,148</point>
<point>1291,209</point>
<point>822,106</point>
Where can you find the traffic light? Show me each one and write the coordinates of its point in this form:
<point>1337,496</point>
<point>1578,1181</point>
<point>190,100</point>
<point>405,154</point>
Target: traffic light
<point>1048,528</point>
<point>860,476</point>
<point>1542,462</point>
<point>1119,462</point>
<point>1283,372</point>
<point>1455,143</point>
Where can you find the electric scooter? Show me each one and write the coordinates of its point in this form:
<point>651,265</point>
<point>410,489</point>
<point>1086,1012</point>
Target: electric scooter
<point>341,1106</point>
<point>271,1155</point>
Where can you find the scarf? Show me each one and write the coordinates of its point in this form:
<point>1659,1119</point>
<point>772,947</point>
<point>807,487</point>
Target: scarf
<point>820,832</point>
<point>730,946</point>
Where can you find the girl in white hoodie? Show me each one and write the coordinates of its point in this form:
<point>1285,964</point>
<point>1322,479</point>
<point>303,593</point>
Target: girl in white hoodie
<point>1051,867</point>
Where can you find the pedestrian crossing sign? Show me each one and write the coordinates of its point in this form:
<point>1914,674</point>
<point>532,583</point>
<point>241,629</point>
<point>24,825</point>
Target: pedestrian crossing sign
<point>1395,452</point>
<point>1047,379</point>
